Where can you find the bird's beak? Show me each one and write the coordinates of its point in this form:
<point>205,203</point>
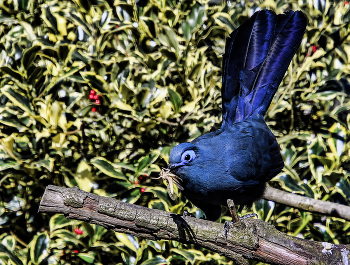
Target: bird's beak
<point>175,166</point>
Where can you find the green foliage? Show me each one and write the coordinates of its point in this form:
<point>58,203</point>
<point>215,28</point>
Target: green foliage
<point>156,71</point>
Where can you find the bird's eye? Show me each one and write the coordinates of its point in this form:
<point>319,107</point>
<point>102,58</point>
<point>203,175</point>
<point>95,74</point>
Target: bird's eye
<point>188,156</point>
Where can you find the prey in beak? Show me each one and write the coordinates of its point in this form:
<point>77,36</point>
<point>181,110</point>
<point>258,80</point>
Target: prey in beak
<point>171,178</point>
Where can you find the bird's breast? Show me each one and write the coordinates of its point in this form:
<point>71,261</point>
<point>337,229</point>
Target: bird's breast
<point>232,164</point>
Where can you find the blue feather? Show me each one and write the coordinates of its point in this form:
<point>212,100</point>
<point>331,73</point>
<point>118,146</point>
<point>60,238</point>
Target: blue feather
<point>257,56</point>
<point>237,160</point>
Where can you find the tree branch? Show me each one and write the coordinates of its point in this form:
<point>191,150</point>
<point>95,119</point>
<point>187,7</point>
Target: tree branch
<point>307,204</point>
<point>252,239</point>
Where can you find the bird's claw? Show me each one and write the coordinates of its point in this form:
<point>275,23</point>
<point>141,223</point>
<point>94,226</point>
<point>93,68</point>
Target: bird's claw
<point>227,226</point>
<point>250,215</point>
<point>186,213</point>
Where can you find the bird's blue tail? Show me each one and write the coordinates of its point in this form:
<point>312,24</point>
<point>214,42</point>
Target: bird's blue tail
<point>257,56</point>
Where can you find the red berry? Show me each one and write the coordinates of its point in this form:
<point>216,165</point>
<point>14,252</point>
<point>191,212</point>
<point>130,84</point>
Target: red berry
<point>346,3</point>
<point>136,182</point>
<point>314,48</point>
<point>93,109</point>
<point>117,26</point>
<point>91,96</point>
<point>95,96</point>
<point>97,101</point>
<point>92,92</point>
<point>75,251</point>
<point>78,231</point>
<point>143,190</point>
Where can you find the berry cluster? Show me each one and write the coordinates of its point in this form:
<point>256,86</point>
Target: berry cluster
<point>78,231</point>
<point>137,182</point>
<point>94,96</point>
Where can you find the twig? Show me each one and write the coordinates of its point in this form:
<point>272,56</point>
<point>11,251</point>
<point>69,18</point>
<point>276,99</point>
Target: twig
<point>307,204</point>
<point>255,239</point>
<point>75,131</point>
<point>232,208</point>
<point>168,122</point>
<point>186,117</point>
<point>179,123</point>
<point>18,240</point>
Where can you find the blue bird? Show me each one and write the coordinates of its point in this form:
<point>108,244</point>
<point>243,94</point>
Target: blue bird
<point>236,161</point>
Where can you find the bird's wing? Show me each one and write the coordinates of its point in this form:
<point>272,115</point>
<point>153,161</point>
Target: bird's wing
<point>256,58</point>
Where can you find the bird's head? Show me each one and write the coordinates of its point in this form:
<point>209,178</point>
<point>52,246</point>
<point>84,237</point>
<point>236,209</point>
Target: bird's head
<point>181,158</point>
<point>182,155</point>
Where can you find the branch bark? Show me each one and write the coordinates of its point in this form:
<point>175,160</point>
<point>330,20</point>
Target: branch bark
<point>307,204</point>
<point>251,239</point>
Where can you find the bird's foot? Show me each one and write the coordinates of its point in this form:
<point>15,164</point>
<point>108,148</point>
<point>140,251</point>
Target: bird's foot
<point>227,226</point>
<point>235,218</point>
